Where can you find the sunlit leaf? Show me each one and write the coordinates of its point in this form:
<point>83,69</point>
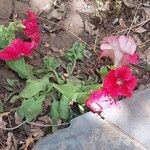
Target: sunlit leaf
<point>67,90</point>
<point>1,107</point>
<point>51,62</point>
<point>33,87</point>
<point>64,108</point>
<point>19,66</point>
<point>55,111</point>
<point>7,34</point>
<point>31,108</point>
<point>76,52</point>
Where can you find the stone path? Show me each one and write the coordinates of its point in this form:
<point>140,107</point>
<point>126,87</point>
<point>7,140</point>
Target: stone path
<point>123,128</point>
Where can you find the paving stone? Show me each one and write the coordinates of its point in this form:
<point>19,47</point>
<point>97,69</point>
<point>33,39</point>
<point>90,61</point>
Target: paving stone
<point>88,132</point>
<point>133,116</point>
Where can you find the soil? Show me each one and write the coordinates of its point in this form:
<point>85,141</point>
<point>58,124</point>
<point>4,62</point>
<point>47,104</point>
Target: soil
<point>63,22</point>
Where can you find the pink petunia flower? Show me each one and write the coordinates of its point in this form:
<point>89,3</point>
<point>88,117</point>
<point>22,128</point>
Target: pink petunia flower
<point>17,49</point>
<point>32,29</point>
<point>120,49</point>
<point>100,100</point>
<point>120,82</point>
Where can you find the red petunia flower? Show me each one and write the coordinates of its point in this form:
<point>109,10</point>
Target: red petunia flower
<point>32,29</point>
<point>100,100</point>
<point>120,49</point>
<point>17,49</point>
<point>120,82</point>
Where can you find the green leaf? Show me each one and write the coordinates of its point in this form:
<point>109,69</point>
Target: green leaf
<point>55,111</point>
<point>70,68</point>
<point>82,97</point>
<point>75,81</point>
<point>19,66</point>
<point>51,62</point>
<point>31,108</point>
<point>103,71</point>
<point>64,108</point>
<point>76,52</point>
<point>67,90</point>
<point>14,98</point>
<point>1,107</point>
<point>7,34</point>
<point>86,90</point>
<point>11,82</point>
<point>91,87</point>
<point>33,87</point>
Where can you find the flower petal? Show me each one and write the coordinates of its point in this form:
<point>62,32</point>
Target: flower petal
<point>99,100</point>
<point>125,86</point>
<point>17,49</point>
<point>127,44</point>
<point>32,29</point>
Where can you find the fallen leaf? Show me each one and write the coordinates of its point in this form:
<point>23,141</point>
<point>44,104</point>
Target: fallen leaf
<point>36,132</point>
<point>11,142</point>
<point>4,114</point>
<point>137,39</point>
<point>17,119</point>
<point>45,119</point>
<point>29,141</point>
<point>129,3</point>
<point>2,124</point>
<point>139,30</point>
<point>122,23</point>
<point>147,12</point>
<point>89,27</point>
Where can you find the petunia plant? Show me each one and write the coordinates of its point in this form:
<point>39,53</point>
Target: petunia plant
<point>64,90</point>
<point>14,49</point>
<point>119,81</point>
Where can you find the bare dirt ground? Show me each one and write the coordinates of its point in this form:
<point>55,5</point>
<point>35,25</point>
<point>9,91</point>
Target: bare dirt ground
<point>63,22</point>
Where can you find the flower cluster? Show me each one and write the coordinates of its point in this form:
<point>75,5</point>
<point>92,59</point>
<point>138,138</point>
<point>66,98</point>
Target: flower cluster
<point>119,81</point>
<point>18,47</point>
<point>120,49</point>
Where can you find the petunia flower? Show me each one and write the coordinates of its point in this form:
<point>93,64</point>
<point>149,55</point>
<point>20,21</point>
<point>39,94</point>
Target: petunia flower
<point>100,100</point>
<point>120,82</point>
<point>16,49</point>
<point>120,49</point>
<point>32,29</point>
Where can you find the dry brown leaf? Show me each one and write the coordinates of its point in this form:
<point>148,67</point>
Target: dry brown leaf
<point>147,12</point>
<point>29,141</point>
<point>129,3</point>
<point>17,119</point>
<point>2,124</point>
<point>137,39</point>
<point>36,132</point>
<point>45,120</point>
<point>122,23</point>
<point>4,114</point>
<point>11,142</point>
<point>39,6</point>
<point>139,30</point>
<point>89,27</point>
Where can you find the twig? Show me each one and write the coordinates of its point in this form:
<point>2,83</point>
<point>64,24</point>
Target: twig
<point>94,47</point>
<point>140,24</point>
<point>133,19</point>
<point>145,41</point>
<point>32,123</point>
<point>13,128</point>
<point>47,125</point>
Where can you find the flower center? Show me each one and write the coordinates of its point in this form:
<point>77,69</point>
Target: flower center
<point>119,81</point>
